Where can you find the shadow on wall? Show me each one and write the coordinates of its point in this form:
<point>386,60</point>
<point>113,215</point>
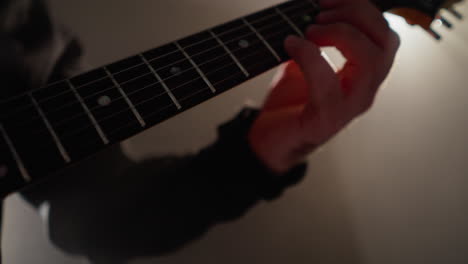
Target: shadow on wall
<point>110,217</point>
<point>154,212</point>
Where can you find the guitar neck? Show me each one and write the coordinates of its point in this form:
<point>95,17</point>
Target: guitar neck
<point>50,128</point>
<point>47,129</point>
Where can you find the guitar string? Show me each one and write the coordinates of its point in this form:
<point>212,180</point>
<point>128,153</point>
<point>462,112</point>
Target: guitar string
<point>115,131</point>
<point>170,89</point>
<point>185,59</point>
<point>132,123</point>
<point>129,81</point>
<point>182,99</point>
<point>189,68</point>
<point>65,136</point>
<point>171,64</point>
<point>299,4</point>
<point>150,73</point>
<point>201,41</point>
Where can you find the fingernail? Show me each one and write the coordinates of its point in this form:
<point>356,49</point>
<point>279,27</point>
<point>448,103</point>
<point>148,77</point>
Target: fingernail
<point>293,41</point>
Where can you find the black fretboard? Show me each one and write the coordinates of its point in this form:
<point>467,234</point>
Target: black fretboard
<point>47,129</point>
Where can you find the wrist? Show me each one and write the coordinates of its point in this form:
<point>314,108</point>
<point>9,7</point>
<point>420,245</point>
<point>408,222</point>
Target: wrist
<point>233,147</point>
<point>277,147</point>
<point>265,156</point>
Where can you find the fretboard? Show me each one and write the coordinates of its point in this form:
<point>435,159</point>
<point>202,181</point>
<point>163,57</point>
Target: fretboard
<point>47,129</point>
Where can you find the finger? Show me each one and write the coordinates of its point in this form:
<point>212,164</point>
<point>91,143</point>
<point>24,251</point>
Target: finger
<point>289,88</point>
<point>360,52</point>
<point>322,81</point>
<point>366,18</point>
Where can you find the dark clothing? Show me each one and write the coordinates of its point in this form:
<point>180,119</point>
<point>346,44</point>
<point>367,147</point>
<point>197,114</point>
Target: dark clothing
<point>110,207</point>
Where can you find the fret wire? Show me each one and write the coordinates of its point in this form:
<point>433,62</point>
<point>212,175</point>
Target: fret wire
<point>105,77</point>
<point>199,53</point>
<point>221,34</point>
<point>204,51</point>
<point>262,39</point>
<point>136,91</point>
<point>135,78</point>
<point>236,28</point>
<point>191,45</point>
<point>226,32</point>
<point>112,132</point>
<point>19,162</point>
<point>235,39</point>
<point>161,81</point>
<point>56,139</point>
<point>66,120</point>
<point>162,109</point>
<point>129,102</point>
<point>188,69</point>
<point>286,18</point>
<point>81,86</point>
<point>172,52</point>
<point>77,132</point>
<point>98,128</point>
<point>314,3</point>
<point>166,79</point>
<point>155,97</point>
<point>196,67</point>
<point>230,54</point>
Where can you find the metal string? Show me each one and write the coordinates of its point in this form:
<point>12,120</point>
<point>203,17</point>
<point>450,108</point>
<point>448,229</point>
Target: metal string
<point>39,131</point>
<point>167,54</point>
<point>146,74</point>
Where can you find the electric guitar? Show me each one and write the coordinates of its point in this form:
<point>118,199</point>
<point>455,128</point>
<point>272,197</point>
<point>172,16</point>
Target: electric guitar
<point>47,129</point>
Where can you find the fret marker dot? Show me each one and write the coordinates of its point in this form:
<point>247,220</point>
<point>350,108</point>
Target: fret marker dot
<point>307,18</point>
<point>104,100</point>
<point>244,43</point>
<point>176,70</point>
<point>3,171</point>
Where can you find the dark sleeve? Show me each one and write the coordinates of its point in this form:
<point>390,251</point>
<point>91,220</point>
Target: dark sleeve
<point>159,205</point>
<point>236,178</point>
<point>155,206</point>
<point>219,183</point>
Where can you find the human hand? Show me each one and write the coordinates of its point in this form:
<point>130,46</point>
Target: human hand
<point>309,102</point>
